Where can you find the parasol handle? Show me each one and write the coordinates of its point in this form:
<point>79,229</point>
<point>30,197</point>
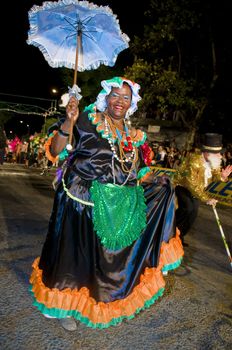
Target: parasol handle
<point>69,145</point>
<point>76,60</point>
<point>70,134</point>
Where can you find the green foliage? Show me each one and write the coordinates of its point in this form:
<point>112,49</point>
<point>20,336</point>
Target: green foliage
<point>177,74</point>
<point>161,88</point>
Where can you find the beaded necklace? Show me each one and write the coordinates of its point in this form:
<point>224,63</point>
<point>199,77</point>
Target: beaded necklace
<point>123,158</point>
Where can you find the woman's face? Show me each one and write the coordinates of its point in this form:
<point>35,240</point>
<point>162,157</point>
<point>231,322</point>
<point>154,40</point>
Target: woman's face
<point>119,101</point>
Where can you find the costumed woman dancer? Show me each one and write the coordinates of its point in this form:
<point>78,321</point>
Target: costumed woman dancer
<point>112,229</point>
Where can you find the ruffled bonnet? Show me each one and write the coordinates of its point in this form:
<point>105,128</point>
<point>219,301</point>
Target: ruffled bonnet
<point>118,82</point>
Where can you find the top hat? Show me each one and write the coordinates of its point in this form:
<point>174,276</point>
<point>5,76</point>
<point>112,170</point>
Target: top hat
<point>212,143</point>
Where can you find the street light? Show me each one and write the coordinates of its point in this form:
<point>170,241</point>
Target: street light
<point>54,92</point>
<point>21,121</point>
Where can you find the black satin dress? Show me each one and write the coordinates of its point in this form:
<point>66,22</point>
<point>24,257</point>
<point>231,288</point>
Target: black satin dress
<point>73,255</point>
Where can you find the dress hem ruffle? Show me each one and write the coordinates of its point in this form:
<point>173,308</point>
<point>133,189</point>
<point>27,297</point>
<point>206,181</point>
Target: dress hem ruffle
<point>80,305</point>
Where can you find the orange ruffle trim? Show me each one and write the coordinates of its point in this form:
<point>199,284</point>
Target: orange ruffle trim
<point>143,179</point>
<point>100,127</point>
<point>172,251</point>
<point>99,312</point>
<point>47,146</point>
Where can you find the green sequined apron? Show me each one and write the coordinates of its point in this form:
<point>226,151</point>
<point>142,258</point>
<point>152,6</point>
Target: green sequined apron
<point>119,214</point>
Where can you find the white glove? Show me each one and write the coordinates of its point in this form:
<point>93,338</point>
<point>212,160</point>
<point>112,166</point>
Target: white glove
<point>212,202</point>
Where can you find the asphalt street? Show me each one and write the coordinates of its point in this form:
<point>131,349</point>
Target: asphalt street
<point>194,313</point>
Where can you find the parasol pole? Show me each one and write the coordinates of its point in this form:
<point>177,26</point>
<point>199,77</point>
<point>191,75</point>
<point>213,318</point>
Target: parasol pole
<point>74,83</point>
<point>76,60</point>
<point>223,235</point>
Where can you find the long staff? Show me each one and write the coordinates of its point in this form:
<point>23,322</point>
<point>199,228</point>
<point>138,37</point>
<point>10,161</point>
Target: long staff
<point>223,235</point>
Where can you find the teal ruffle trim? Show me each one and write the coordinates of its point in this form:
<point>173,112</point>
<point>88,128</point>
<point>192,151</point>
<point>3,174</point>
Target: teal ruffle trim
<point>90,108</point>
<point>140,143</point>
<point>142,172</point>
<point>60,313</point>
<point>119,214</point>
<point>173,266</point>
<point>63,155</point>
<point>91,115</point>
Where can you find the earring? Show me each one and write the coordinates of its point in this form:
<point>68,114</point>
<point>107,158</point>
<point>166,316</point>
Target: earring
<point>127,119</point>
